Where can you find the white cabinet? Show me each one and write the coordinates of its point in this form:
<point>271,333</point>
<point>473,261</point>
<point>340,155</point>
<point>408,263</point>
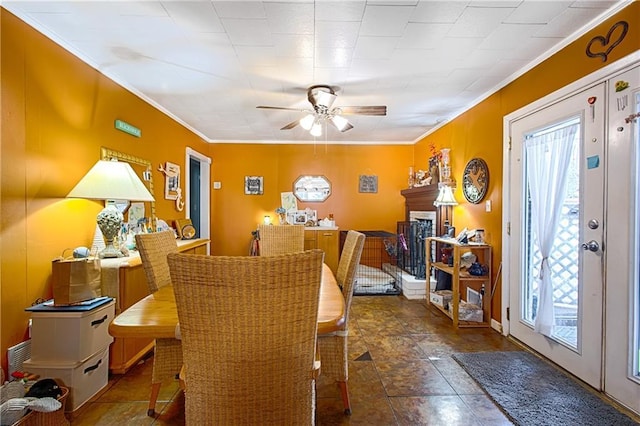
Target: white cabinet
<point>71,344</point>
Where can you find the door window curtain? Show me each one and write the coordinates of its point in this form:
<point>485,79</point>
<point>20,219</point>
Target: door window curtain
<point>548,154</point>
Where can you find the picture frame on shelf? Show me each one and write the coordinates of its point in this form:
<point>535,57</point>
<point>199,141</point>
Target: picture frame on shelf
<point>312,216</point>
<point>297,217</point>
<point>253,185</point>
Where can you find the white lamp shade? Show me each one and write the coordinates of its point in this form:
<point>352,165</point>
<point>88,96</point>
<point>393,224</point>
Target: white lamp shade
<point>316,129</point>
<point>307,121</point>
<point>324,98</point>
<point>341,123</point>
<point>445,197</point>
<point>111,180</point>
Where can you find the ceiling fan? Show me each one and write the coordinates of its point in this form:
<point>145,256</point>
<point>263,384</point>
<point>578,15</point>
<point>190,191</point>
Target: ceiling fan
<point>321,97</point>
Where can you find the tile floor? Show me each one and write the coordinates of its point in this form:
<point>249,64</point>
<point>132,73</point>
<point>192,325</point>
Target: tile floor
<point>400,373</point>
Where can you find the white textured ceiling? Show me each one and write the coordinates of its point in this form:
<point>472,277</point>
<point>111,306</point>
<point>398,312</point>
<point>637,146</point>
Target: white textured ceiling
<point>208,64</point>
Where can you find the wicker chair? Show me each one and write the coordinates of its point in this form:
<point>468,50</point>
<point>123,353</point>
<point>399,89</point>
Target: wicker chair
<point>249,327</point>
<point>275,240</point>
<point>333,347</point>
<point>167,359</point>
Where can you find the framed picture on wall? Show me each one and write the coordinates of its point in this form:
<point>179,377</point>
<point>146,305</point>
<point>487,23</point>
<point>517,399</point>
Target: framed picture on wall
<point>171,181</point>
<point>368,183</point>
<point>253,185</point>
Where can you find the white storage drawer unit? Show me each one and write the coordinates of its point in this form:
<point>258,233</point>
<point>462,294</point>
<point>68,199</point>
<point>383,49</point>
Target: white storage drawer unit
<point>71,345</point>
<point>70,336</point>
<point>84,379</point>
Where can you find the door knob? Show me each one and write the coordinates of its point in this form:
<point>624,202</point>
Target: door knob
<point>591,246</point>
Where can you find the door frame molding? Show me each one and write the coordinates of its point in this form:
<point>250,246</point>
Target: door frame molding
<point>205,193</point>
<point>565,92</point>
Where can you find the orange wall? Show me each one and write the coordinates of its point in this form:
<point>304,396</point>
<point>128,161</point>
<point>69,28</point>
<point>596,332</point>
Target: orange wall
<point>234,215</point>
<point>478,132</point>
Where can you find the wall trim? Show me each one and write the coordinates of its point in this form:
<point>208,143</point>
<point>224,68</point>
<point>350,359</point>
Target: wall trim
<point>496,326</point>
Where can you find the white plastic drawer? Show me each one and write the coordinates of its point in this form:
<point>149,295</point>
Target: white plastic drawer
<point>70,336</point>
<point>84,379</point>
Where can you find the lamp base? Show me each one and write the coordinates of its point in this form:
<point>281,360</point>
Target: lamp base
<point>110,251</point>
<point>110,222</point>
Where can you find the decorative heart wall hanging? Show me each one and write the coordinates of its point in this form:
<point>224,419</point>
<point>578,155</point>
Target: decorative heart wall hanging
<point>604,41</point>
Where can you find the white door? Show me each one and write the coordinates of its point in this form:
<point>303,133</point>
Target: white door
<point>544,179</point>
<point>622,307</point>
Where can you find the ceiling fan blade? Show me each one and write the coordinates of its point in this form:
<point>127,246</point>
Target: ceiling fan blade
<point>282,108</point>
<point>364,110</point>
<point>291,125</point>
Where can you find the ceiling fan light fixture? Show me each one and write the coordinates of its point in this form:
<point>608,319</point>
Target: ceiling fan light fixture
<point>340,122</point>
<point>306,122</point>
<point>321,97</point>
<point>324,98</point>
<point>316,129</point>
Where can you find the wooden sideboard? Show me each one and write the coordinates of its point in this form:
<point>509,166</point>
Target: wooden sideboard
<point>326,239</point>
<point>131,287</point>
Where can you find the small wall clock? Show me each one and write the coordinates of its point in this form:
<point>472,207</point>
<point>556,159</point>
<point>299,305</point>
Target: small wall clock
<point>475,180</point>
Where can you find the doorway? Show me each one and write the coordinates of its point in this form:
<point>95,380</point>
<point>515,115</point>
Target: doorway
<point>590,308</point>
<point>556,305</point>
<point>622,301</point>
<point>198,195</point>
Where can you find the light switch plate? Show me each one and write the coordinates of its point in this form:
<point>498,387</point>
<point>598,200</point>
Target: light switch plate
<point>487,205</point>
<point>217,185</point>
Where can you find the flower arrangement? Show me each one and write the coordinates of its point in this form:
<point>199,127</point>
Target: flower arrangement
<point>433,151</point>
<point>282,215</point>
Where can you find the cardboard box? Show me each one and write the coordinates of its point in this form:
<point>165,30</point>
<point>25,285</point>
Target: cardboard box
<point>441,298</point>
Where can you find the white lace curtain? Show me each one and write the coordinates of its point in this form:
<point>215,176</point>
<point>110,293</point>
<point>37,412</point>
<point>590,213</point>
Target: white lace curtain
<point>548,155</point>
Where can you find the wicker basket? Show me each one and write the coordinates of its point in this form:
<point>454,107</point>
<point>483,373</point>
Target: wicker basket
<point>54,418</point>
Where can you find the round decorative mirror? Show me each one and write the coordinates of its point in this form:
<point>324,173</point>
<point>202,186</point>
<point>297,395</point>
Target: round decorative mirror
<point>312,189</point>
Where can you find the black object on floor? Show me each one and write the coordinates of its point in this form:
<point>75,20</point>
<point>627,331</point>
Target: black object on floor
<point>364,357</point>
<point>531,391</point>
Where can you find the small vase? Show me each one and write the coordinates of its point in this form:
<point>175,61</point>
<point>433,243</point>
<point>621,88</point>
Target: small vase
<point>412,179</point>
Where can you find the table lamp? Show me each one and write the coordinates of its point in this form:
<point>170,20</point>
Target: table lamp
<point>445,197</point>
<point>446,200</point>
<point>111,180</point>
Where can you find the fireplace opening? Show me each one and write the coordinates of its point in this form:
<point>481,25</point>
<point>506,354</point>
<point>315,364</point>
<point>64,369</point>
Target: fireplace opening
<point>411,242</point>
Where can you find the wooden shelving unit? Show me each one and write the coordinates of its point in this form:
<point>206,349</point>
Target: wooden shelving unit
<point>461,280</point>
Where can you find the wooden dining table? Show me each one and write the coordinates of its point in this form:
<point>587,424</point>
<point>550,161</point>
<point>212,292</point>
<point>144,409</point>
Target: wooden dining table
<point>156,315</point>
